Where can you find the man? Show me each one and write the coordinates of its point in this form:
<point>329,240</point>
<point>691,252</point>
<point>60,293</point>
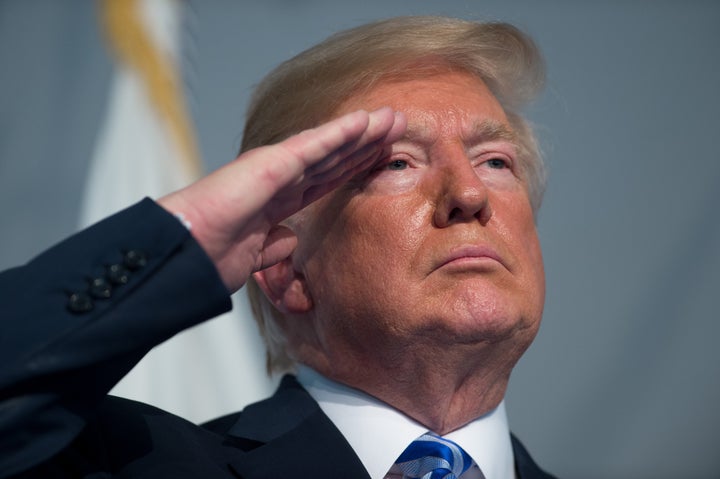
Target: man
<point>397,257</point>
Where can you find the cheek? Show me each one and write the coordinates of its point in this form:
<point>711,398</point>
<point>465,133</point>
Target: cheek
<point>393,182</point>
<point>516,224</point>
<point>536,275</point>
<point>369,239</point>
<point>403,228</point>
<point>383,233</point>
<point>533,267</point>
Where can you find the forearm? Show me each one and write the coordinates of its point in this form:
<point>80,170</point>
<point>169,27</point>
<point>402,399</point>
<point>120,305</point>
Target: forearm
<point>60,360</point>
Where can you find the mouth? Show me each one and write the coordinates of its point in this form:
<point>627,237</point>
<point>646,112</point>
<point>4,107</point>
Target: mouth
<point>471,257</point>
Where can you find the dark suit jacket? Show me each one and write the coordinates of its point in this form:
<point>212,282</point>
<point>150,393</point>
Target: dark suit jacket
<point>67,338</point>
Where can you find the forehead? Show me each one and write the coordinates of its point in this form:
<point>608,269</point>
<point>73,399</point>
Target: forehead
<point>432,103</point>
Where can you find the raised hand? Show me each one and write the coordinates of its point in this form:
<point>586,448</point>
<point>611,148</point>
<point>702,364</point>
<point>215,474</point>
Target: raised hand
<point>235,211</point>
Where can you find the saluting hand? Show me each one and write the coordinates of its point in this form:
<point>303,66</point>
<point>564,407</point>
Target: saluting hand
<point>235,211</point>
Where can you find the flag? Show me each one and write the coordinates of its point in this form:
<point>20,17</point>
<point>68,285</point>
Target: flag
<point>146,147</point>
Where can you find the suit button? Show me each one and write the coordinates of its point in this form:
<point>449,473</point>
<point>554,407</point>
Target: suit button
<point>80,303</point>
<point>117,274</point>
<point>100,288</point>
<point>134,260</point>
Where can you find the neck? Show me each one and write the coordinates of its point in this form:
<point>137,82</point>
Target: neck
<point>443,390</point>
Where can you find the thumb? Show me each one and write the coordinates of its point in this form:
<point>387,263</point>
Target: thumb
<point>279,244</point>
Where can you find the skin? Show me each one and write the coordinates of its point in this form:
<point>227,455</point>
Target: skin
<point>235,211</point>
<point>421,280</point>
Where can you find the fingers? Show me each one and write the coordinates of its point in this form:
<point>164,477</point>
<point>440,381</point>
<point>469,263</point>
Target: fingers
<point>335,144</point>
<point>356,152</point>
<point>278,245</point>
<point>340,137</point>
<point>356,157</point>
<point>398,128</point>
<point>315,144</point>
<point>382,130</point>
<point>325,180</point>
<point>321,158</point>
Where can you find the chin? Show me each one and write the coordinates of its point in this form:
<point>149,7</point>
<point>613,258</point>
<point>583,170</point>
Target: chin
<point>489,318</point>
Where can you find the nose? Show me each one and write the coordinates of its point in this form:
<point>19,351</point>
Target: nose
<point>462,196</point>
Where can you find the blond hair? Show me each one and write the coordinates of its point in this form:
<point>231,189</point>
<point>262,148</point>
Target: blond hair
<point>307,89</point>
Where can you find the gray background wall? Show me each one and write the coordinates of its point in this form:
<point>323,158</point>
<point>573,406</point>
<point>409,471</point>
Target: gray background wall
<point>624,378</point>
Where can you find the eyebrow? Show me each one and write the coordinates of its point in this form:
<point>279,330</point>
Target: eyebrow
<point>479,132</point>
<point>489,130</point>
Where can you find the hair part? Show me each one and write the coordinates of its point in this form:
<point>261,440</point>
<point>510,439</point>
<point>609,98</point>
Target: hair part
<point>308,89</point>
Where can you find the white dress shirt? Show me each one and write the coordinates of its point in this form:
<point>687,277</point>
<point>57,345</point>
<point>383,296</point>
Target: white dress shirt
<point>378,433</point>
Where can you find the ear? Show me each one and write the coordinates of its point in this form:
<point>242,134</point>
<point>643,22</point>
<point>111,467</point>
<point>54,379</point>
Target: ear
<point>285,287</point>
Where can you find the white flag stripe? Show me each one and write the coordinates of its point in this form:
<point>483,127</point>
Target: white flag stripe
<point>214,368</point>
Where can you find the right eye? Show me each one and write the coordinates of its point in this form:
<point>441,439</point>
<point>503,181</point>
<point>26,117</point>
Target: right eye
<point>396,165</point>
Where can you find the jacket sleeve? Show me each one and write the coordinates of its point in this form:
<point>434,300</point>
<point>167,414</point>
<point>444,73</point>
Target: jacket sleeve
<point>77,318</point>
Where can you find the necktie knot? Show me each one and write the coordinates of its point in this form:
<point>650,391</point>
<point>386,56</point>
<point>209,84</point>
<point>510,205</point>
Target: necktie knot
<point>433,457</point>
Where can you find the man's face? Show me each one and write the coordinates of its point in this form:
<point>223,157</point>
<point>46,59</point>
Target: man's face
<point>435,247</point>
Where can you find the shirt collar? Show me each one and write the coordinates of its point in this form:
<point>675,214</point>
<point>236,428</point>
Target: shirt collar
<point>378,433</point>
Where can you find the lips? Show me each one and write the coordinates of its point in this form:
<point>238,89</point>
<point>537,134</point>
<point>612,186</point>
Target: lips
<point>469,255</point>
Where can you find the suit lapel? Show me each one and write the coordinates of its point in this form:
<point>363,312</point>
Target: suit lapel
<point>525,467</point>
<point>288,435</point>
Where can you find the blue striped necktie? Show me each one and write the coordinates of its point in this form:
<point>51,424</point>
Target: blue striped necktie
<point>433,457</point>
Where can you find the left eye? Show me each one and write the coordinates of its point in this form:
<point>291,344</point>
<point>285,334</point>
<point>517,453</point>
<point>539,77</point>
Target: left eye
<point>396,165</point>
<point>497,163</point>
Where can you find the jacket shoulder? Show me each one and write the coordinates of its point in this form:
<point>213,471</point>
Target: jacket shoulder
<point>525,466</point>
<point>129,437</point>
